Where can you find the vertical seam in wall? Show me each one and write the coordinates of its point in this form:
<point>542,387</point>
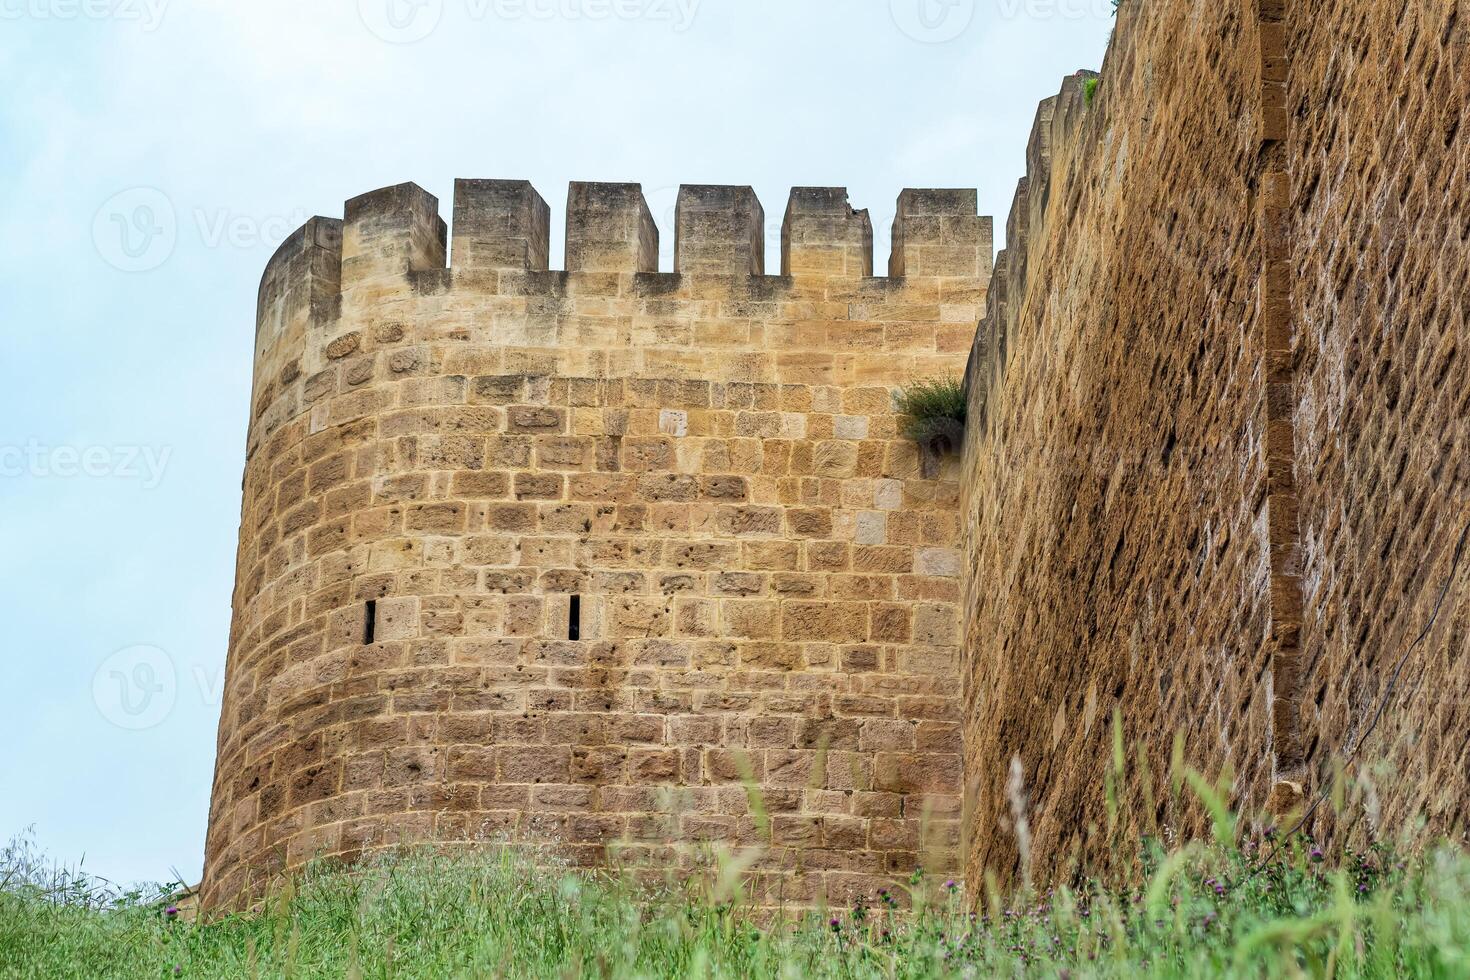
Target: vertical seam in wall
<point>1277,401</point>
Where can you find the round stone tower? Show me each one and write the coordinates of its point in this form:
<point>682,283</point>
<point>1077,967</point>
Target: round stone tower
<point>571,556</point>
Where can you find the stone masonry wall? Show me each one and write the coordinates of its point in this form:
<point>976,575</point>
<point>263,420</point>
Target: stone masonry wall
<point>567,556</point>
<point>1380,249</point>
<point>1217,462</point>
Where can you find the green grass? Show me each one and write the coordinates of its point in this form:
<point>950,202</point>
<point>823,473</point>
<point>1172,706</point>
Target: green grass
<point>495,914</point>
<point>932,412</point>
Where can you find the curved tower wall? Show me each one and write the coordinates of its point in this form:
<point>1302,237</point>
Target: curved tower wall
<point>564,556</point>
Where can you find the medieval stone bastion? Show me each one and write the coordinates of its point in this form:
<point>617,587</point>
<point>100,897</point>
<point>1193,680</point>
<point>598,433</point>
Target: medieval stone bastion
<point>569,556</point>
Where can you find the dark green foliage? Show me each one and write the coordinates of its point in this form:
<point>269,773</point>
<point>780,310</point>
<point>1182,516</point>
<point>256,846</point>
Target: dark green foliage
<point>932,413</point>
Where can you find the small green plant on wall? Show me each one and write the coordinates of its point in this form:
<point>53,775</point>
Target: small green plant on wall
<point>932,414</point>
<point>1089,90</point>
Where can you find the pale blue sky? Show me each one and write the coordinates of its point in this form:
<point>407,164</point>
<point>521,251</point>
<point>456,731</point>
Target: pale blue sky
<point>154,152</point>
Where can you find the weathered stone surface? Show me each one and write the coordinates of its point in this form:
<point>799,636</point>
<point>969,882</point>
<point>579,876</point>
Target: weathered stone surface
<point>1217,451</point>
<point>1379,261</point>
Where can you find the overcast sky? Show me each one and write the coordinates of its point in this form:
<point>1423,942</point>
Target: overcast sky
<point>154,152</point>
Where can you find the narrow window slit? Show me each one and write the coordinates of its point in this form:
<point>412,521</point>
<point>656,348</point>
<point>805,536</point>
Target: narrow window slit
<point>574,618</point>
<point>370,622</point>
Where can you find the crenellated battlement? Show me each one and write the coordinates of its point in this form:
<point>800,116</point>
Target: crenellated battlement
<point>391,273</point>
<point>396,234</point>
<point>1051,165</point>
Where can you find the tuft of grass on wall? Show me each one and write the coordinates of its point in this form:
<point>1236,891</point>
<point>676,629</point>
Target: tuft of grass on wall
<point>932,413</point>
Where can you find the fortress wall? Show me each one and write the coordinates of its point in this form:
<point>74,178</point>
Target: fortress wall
<point>568,556</point>
<point>1379,156</point>
<point>1217,455</point>
<point>1115,477</point>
